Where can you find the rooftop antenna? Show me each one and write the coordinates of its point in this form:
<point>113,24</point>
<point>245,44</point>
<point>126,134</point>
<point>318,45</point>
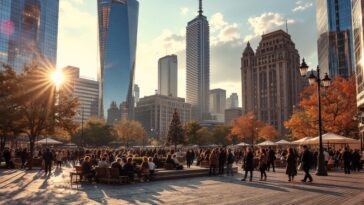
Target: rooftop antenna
<point>200,11</point>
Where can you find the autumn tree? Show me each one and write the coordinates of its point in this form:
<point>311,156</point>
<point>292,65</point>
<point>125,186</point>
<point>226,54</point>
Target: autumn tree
<point>268,132</point>
<point>246,128</point>
<point>96,132</point>
<point>338,106</point>
<point>204,136</point>
<point>176,133</point>
<point>130,132</point>
<point>191,129</point>
<point>220,135</point>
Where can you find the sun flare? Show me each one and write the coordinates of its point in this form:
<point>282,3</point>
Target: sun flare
<point>57,78</point>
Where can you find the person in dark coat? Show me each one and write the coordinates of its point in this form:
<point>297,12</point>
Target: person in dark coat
<point>23,157</point>
<point>7,158</point>
<point>306,161</point>
<point>190,156</point>
<point>229,163</point>
<point>249,164</point>
<point>346,156</point>
<point>291,169</point>
<point>117,164</point>
<point>48,158</point>
<point>271,159</point>
<point>213,161</point>
<point>222,161</point>
<point>355,162</point>
<point>128,169</point>
<point>263,165</point>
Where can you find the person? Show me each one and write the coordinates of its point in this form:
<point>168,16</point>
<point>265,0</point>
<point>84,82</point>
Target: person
<point>346,156</point>
<point>128,169</point>
<point>7,158</point>
<point>263,164</point>
<point>59,158</point>
<point>87,169</point>
<point>144,169</point>
<point>249,164</point>
<point>356,160</point>
<point>222,161</point>
<point>151,166</point>
<point>271,159</point>
<point>291,169</point>
<point>306,161</point>
<point>117,164</point>
<point>23,157</point>
<point>229,163</point>
<point>190,156</point>
<point>103,163</point>
<point>326,157</point>
<point>213,160</point>
<point>48,158</point>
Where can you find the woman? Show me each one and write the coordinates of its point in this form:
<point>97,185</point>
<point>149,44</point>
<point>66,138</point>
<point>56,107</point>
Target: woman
<point>213,161</point>
<point>59,158</point>
<point>144,169</point>
<point>249,164</point>
<point>291,169</point>
<point>263,164</point>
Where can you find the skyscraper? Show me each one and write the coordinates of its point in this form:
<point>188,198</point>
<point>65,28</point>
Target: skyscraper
<point>232,101</point>
<point>271,82</point>
<point>167,75</point>
<point>28,32</point>
<point>198,65</point>
<point>136,94</point>
<point>118,25</point>
<point>334,44</point>
<point>218,104</point>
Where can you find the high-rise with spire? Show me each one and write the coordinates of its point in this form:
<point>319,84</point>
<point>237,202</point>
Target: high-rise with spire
<point>198,65</point>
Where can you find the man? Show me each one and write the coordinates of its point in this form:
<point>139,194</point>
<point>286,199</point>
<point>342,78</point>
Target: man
<point>222,160</point>
<point>346,156</point>
<point>117,164</point>
<point>48,158</point>
<point>249,164</point>
<point>230,161</point>
<point>306,161</point>
<point>271,159</point>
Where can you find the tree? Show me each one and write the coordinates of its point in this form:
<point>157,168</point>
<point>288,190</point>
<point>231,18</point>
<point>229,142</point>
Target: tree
<point>220,135</point>
<point>130,132</point>
<point>338,106</point>
<point>96,132</point>
<point>268,132</point>
<point>191,129</point>
<point>246,128</point>
<point>43,108</point>
<point>204,136</point>
<point>175,133</point>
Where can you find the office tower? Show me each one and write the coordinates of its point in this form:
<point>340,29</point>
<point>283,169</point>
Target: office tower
<point>198,66</point>
<point>358,36</point>
<point>271,82</point>
<point>232,101</point>
<point>335,43</point>
<point>232,114</point>
<point>85,90</point>
<point>136,94</point>
<point>167,75</point>
<point>118,25</point>
<point>28,33</point>
<point>218,104</point>
<point>155,113</point>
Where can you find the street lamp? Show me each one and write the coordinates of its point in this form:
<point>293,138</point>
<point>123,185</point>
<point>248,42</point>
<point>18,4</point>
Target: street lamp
<point>326,81</point>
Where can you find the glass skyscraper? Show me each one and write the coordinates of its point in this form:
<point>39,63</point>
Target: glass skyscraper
<point>28,32</point>
<point>334,44</point>
<point>198,66</point>
<point>118,25</point>
<point>167,75</point>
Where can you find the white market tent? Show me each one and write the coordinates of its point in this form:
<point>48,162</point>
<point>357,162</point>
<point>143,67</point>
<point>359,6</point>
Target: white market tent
<point>302,141</point>
<point>49,141</point>
<point>331,138</point>
<point>283,142</point>
<point>267,143</point>
<point>242,144</point>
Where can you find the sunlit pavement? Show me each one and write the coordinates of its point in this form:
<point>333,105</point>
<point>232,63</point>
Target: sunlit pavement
<point>33,187</point>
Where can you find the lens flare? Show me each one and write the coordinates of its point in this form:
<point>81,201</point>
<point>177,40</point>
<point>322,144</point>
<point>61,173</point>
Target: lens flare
<point>57,78</point>
<point>7,27</point>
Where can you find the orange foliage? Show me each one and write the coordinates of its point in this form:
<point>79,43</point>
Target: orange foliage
<point>246,127</point>
<point>268,132</point>
<point>338,106</point>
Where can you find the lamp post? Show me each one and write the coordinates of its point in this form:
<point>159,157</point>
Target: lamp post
<point>82,140</point>
<point>326,81</point>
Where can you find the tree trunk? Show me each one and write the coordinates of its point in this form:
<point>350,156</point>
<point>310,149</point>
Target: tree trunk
<point>31,148</point>
<point>2,143</point>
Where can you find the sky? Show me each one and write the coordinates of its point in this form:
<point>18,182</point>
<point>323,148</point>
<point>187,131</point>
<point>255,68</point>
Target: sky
<point>162,31</point>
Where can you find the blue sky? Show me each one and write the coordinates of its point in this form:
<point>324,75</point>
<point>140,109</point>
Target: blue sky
<point>161,31</point>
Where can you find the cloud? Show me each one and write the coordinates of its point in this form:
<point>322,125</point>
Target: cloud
<point>222,31</point>
<point>264,23</point>
<point>301,6</point>
<point>217,22</point>
<point>184,11</point>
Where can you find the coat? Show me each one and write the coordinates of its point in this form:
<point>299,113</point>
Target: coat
<point>249,162</point>
<point>263,162</point>
<point>291,168</point>
<point>306,159</point>
<point>213,159</point>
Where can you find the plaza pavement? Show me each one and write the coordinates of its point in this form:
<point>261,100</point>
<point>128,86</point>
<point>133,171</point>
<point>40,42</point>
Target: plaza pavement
<point>32,187</point>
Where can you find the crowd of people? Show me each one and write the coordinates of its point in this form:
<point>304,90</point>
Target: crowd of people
<point>143,162</point>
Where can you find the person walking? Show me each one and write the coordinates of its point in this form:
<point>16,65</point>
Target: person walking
<point>59,159</point>
<point>213,161</point>
<point>291,169</point>
<point>306,161</point>
<point>229,163</point>
<point>48,158</point>
<point>346,156</point>
<point>23,157</point>
<point>263,164</point>
<point>249,164</point>
<point>190,156</point>
<point>271,159</point>
<point>222,161</point>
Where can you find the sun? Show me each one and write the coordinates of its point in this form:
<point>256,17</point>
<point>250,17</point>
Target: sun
<point>57,78</point>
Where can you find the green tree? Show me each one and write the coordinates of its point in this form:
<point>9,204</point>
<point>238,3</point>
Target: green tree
<point>220,135</point>
<point>96,133</point>
<point>191,129</point>
<point>175,133</point>
<point>204,136</point>
<point>130,132</point>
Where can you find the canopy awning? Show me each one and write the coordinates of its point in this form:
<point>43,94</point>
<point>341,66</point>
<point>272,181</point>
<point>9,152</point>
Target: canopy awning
<point>283,142</point>
<point>48,141</point>
<point>242,144</point>
<point>331,138</point>
<point>302,141</point>
<point>267,143</point>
